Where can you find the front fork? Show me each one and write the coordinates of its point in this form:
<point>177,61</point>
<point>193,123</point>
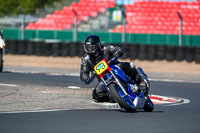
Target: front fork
<point>116,79</point>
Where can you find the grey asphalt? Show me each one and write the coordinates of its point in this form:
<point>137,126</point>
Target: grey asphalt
<point>91,118</point>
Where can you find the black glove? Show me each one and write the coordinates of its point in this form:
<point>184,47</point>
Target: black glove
<point>91,78</point>
<point>118,54</point>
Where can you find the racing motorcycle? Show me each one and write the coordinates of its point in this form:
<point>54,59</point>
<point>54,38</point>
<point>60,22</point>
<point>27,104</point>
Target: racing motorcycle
<point>122,88</point>
<point>2,48</point>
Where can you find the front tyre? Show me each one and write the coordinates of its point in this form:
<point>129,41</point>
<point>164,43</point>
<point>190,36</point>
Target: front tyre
<point>124,101</point>
<point>1,60</point>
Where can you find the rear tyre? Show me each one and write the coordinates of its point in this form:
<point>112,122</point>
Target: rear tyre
<point>149,106</point>
<point>125,102</point>
<point>1,60</point>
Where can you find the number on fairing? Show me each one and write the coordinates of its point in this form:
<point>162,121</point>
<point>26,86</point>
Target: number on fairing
<point>101,67</point>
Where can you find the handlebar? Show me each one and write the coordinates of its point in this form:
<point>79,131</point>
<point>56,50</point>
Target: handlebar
<point>114,58</point>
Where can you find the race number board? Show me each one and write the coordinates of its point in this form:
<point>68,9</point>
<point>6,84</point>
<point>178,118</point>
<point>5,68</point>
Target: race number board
<point>101,67</point>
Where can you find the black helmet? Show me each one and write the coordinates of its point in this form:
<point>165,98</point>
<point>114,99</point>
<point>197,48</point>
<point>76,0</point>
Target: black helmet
<point>92,44</point>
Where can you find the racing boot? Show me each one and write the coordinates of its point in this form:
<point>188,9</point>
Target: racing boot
<point>144,87</point>
<point>142,81</point>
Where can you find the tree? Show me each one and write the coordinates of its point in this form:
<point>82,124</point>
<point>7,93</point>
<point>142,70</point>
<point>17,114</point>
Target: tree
<point>11,7</point>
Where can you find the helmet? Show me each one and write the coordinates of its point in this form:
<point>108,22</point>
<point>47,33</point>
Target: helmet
<point>92,45</point>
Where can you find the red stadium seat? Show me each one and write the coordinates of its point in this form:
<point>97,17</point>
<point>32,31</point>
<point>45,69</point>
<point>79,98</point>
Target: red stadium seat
<point>63,19</point>
<point>160,17</point>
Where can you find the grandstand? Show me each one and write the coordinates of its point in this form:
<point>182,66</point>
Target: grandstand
<point>143,17</point>
<point>65,18</point>
<point>160,17</point>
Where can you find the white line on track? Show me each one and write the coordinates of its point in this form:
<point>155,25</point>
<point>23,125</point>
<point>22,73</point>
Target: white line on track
<point>8,85</point>
<point>34,111</point>
<point>74,87</point>
<point>173,80</point>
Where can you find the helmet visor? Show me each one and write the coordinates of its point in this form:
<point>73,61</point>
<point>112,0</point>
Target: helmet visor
<point>90,48</point>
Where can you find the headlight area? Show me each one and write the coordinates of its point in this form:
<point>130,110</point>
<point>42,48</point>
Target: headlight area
<point>2,45</point>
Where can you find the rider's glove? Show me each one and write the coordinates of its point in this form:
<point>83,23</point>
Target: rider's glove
<point>118,54</point>
<point>91,78</point>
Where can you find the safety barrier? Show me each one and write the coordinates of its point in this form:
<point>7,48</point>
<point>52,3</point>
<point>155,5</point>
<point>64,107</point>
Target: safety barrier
<point>108,37</point>
<point>133,51</point>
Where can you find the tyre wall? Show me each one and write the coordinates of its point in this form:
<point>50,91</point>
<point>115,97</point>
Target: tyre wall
<point>133,51</point>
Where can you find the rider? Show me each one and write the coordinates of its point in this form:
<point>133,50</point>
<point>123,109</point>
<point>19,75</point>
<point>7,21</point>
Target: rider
<point>95,52</point>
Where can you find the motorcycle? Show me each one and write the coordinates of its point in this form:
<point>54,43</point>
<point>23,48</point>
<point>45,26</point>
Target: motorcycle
<point>122,88</point>
<point>2,48</point>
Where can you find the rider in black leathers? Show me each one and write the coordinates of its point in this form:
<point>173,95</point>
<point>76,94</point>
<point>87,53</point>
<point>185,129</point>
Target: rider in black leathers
<point>95,52</point>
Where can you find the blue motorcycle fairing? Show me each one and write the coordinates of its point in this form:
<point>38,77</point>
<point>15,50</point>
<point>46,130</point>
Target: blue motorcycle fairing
<point>117,70</point>
<point>141,94</point>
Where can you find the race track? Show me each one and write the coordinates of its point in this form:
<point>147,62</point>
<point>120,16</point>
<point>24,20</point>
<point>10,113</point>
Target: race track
<point>44,103</point>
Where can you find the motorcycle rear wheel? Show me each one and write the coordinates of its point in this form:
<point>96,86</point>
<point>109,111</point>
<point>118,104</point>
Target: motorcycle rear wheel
<point>149,106</point>
<point>115,90</point>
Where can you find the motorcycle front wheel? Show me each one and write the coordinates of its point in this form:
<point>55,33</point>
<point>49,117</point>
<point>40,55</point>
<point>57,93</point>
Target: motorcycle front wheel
<point>124,101</point>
